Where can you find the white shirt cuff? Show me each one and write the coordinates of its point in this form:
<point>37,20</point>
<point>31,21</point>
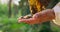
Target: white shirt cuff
<point>57,14</point>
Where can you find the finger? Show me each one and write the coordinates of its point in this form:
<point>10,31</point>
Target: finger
<point>28,21</point>
<point>21,19</point>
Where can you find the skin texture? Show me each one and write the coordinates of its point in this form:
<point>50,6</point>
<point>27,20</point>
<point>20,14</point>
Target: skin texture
<point>39,17</point>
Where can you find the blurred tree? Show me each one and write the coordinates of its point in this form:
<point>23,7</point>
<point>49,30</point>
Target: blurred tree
<point>9,7</point>
<point>15,9</point>
<point>23,5</point>
<point>15,6</point>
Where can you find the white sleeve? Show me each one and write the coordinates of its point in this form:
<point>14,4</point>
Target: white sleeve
<point>57,14</point>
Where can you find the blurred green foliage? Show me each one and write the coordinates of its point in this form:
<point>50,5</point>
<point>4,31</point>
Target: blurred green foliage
<point>3,10</point>
<point>11,24</point>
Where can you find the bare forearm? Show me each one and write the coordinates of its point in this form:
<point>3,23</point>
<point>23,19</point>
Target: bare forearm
<point>45,15</point>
